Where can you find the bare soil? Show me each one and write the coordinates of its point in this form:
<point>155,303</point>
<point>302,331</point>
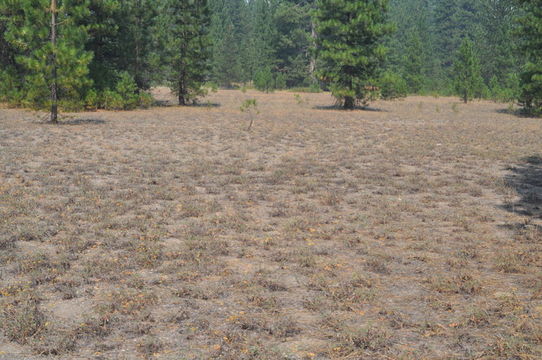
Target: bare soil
<point>410,230</point>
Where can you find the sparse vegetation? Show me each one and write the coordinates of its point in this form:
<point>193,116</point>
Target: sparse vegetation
<point>250,107</point>
<point>402,233</point>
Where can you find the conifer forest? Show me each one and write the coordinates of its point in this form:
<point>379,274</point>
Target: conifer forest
<point>107,54</point>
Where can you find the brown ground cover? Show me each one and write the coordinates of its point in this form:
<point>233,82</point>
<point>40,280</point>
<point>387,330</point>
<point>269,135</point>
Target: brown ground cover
<point>412,230</point>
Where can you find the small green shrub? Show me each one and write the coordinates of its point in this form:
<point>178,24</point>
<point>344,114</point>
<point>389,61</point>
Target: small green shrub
<point>531,91</point>
<point>508,91</point>
<point>127,89</point>
<point>392,86</point>
<point>280,81</point>
<point>313,88</point>
<point>71,105</point>
<point>263,80</point>
<point>145,100</point>
<point>112,100</point>
<point>250,106</point>
<point>211,86</point>
<point>92,100</point>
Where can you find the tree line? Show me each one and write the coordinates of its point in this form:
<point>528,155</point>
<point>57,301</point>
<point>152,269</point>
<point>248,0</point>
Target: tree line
<point>109,53</point>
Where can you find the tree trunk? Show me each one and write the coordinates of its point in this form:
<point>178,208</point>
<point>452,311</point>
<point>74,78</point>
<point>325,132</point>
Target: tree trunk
<point>54,85</point>
<point>137,76</point>
<point>312,64</point>
<point>349,102</point>
<point>182,92</point>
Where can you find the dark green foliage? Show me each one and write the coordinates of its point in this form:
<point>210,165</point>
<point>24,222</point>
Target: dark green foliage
<point>412,46</point>
<point>263,80</point>
<point>430,32</point>
<point>227,30</point>
<point>182,29</point>
<point>136,45</point>
<point>531,91</point>
<point>414,64</point>
<point>104,42</point>
<point>531,78</point>
<point>497,44</point>
<point>121,41</point>
<point>280,81</point>
<point>101,54</point>
<point>468,79</point>
<point>29,72</point>
<point>125,95</point>
<point>508,92</point>
<point>349,46</point>
<point>392,86</point>
<point>272,43</point>
<point>454,20</point>
<point>294,42</point>
<point>260,42</point>
<point>127,90</point>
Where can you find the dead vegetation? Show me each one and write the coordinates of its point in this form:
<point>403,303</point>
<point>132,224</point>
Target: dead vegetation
<point>173,233</point>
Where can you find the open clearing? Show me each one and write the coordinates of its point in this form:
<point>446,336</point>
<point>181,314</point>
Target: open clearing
<point>411,231</point>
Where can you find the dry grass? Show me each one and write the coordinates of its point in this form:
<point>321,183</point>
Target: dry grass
<point>411,232</point>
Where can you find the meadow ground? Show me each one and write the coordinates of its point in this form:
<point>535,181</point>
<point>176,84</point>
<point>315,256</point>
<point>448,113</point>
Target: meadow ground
<point>412,231</point>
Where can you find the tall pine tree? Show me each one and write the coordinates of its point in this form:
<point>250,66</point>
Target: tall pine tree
<point>183,28</point>
<point>227,31</point>
<point>294,43</point>
<point>260,43</point>
<point>41,64</point>
<point>468,79</point>
<point>531,79</point>
<point>349,46</point>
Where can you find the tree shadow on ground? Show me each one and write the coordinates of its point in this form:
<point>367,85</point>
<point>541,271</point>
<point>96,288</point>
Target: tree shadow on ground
<point>526,179</point>
<point>356,108</point>
<point>517,112</point>
<point>81,122</point>
<point>168,103</point>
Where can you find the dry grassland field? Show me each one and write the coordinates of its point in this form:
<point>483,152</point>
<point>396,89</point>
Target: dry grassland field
<point>412,230</point>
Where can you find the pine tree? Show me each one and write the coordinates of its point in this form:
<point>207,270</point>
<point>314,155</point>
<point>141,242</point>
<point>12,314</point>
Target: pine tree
<point>10,70</point>
<point>413,64</point>
<point>531,79</point>
<point>412,46</point>
<point>136,44</point>
<point>468,79</point>
<point>227,31</point>
<point>261,41</point>
<point>349,46</point>
<point>498,48</point>
<point>183,28</point>
<point>104,42</point>
<point>454,20</point>
<point>294,43</point>
<point>48,45</point>
<point>263,80</point>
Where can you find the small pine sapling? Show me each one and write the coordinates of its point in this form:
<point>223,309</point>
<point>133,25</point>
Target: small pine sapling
<point>250,107</point>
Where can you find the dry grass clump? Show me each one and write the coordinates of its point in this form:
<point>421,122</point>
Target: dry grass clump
<point>173,234</point>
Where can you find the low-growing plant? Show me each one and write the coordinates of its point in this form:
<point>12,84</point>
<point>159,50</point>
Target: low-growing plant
<point>126,88</point>
<point>263,80</point>
<point>298,99</point>
<point>392,86</point>
<point>250,106</point>
<point>22,321</point>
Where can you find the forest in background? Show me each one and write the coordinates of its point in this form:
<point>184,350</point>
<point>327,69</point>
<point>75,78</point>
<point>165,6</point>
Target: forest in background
<point>111,51</point>
<point>250,38</point>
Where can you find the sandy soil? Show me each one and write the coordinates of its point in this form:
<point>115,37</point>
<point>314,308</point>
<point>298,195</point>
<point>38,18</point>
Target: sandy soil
<point>412,230</point>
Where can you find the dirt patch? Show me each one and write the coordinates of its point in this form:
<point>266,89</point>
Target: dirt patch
<point>412,232</point>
